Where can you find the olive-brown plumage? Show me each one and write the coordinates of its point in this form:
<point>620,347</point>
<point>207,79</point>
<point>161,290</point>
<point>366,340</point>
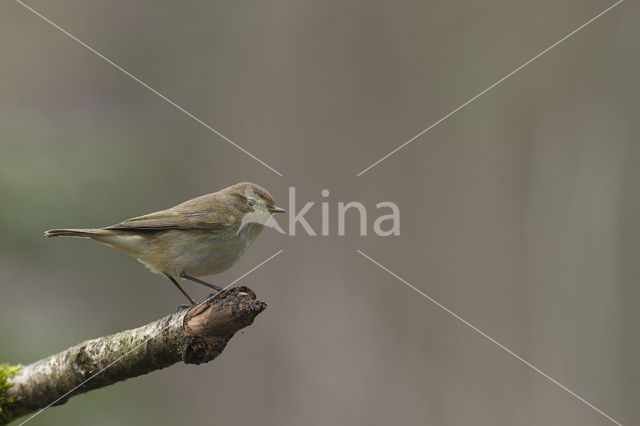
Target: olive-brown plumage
<point>202,236</point>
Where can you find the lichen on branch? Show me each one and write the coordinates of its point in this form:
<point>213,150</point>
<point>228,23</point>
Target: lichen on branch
<point>194,336</point>
<point>9,404</point>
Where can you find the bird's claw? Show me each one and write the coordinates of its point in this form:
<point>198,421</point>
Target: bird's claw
<point>182,307</point>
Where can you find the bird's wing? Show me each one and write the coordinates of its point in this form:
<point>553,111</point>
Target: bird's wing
<point>183,216</point>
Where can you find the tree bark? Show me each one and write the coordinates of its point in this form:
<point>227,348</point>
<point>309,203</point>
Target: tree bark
<point>195,336</point>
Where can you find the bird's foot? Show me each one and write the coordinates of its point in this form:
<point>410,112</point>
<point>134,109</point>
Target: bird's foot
<point>182,307</point>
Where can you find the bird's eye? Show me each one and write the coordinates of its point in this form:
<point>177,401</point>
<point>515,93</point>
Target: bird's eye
<point>251,202</point>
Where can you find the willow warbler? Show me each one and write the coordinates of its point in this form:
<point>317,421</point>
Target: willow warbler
<point>202,236</point>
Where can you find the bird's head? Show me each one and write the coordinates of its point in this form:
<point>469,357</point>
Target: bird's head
<point>253,202</point>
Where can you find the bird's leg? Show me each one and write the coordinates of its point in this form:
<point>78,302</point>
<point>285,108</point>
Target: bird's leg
<point>199,281</point>
<point>181,289</point>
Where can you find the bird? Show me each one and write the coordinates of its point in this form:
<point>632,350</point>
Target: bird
<point>202,236</point>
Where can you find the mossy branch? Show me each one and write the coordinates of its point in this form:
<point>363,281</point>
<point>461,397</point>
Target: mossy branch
<point>195,336</point>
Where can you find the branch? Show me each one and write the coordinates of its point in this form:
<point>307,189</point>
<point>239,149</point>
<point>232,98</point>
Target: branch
<point>194,336</point>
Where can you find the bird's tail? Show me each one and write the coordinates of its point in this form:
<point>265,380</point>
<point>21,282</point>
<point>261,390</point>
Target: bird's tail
<point>129,243</point>
<point>82,233</point>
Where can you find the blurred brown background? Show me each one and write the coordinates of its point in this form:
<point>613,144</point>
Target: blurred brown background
<point>519,213</point>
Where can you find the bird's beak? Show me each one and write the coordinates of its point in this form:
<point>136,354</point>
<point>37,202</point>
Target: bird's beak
<point>276,209</point>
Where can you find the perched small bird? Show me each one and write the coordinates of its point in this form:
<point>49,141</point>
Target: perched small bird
<point>202,236</point>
